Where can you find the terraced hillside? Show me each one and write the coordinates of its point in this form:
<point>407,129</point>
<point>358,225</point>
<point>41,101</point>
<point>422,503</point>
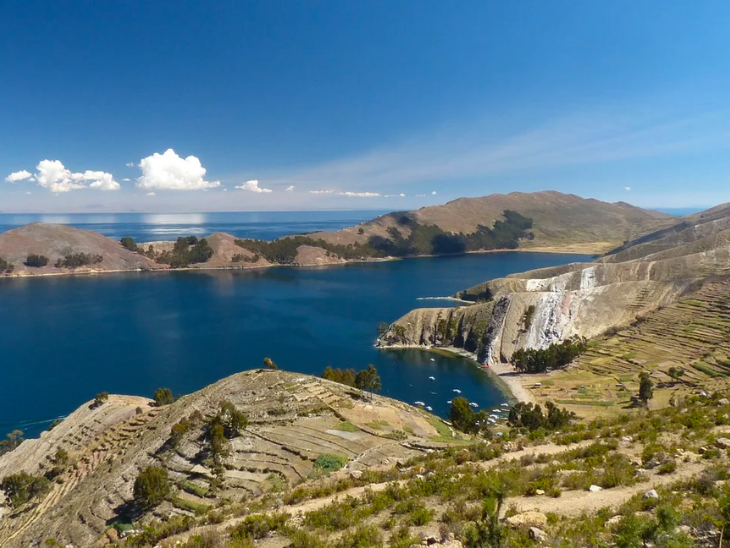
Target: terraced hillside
<point>294,420</point>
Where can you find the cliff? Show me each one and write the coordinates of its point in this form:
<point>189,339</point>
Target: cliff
<point>534,309</point>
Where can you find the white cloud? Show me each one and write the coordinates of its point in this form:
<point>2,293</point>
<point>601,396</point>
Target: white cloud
<point>129,164</point>
<point>28,192</point>
<point>126,180</point>
<point>151,194</point>
<point>628,188</point>
<point>420,195</point>
<point>401,195</point>
<point>321,191</point>
<point>433,193</point>
<point>54,176</point>
<point>253,186</point>
<point>290,188</point>
<point>19,176</point>
<point>168,171</point>
<point>359,194</point>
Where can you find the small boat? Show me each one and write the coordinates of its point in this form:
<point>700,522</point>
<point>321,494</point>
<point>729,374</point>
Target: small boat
<point>474,404</point>
<point>433,359</point>
<point>432,378</point>
<point>456,391</point>
<point>429,408</point>
<point>449,402</point>
<point>419,403</point>
<point>504,404</point>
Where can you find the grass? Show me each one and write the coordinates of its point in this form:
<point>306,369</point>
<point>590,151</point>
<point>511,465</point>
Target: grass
<point>707,370</point>
<point>194,489</point>
<point>194,507</point>
<point>347,426</point>
<point>443,429</point>
<point>585,402</point>
<point>380,424</point>
<point>693,302</point>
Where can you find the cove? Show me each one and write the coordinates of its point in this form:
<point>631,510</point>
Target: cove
<point>65,339</point>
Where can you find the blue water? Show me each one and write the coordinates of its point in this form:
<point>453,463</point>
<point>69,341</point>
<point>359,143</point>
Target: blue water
<point>65,339</point>
<point>147,227</point>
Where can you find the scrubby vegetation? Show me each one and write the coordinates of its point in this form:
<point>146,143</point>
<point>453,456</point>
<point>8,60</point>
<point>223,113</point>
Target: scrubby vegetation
<point>128,243</point>
<point>23,487</point>
<point>421,240</point>
<point>12,440</point>
<point>163,396</point>
<point>75,260</point>
<point>366,379</point>
<point>6,267</point>
<point>151,487</point>
<point>186,251</point>
<point>36,261</point>
<point>557,355</point>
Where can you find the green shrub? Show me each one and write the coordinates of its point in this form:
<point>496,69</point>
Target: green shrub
<point>163,396</point>
<point>23,487</point>
<point>36,261</point>
<point>326,463</point>
<point>151,487</point>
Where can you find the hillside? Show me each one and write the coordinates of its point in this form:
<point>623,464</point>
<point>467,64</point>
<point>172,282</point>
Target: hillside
<point>58,241</point>
<point>293,421</point>
<point>559,221</point>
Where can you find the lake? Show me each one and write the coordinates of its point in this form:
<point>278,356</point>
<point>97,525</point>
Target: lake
<point>65,339</point>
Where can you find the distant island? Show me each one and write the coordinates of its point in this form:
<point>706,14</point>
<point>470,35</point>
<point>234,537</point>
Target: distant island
<point>542,221</point>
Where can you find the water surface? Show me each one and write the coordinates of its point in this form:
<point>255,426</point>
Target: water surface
<point>65,339</point>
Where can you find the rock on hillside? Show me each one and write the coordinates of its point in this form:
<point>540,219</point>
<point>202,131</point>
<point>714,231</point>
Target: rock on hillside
<point>560,220</point>
<point>56,241</point>
<point>293,420</point>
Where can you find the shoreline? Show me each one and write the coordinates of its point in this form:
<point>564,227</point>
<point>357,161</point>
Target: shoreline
<point>504,376</point>
<point>92,272</point>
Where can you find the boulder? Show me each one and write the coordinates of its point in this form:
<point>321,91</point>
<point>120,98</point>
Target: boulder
<point>528,519</point>
<point>356,474</point>
<point>723,401</point>
<point>651,494</point>
<point>538,535</point>
<point>722,443</point>
<point>595,488</point>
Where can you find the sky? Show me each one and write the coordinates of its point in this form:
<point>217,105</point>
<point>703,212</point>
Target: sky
<point>233,105</point>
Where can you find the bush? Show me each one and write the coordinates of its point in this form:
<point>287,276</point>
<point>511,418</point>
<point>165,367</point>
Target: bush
<point>128,243</point>
<point>187,251</point>
<point>151,487</point>
<point>100,398</point>
<point>5,266</point>
<point>163,396</point>
<point>21,488</point>
<point>532,360</point>
<point>36,261</point>
<point>329,463</point>
<point>75,260</point>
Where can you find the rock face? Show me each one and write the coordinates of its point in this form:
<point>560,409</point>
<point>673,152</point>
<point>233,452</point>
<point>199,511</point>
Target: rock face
<point>293,419</point>
<point>537,308</point>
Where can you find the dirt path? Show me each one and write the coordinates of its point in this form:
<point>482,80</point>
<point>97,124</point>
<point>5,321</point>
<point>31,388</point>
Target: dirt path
<point>575,503</point>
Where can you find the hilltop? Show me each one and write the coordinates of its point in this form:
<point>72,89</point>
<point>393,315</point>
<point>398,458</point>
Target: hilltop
<point>547,221</point>
<point>296,425</point>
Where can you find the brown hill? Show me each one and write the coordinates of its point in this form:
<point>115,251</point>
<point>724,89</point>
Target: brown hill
<point>562,221</point>
<point>56,241</point>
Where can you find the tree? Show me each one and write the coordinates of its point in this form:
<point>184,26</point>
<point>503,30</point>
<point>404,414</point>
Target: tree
<point>462,415</point>
<point>100,398</point>
<point>342,376</point>
<point>128,243</point>
<point>382,328</point>
<point>231,419</point>
<point>269,363</point>
<point>5,266</point>
<point>368,379</point>
<point>21,488</point>
<point>676,373</point>
<point>163,396</point>
<point>36,261</point>
<point>646,388</point>
<point>151,487</point>
<point>14,439</point>
<point>487,532</point>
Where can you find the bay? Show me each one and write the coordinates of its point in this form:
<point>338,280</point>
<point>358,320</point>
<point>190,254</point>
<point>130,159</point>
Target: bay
<point>65,339</point>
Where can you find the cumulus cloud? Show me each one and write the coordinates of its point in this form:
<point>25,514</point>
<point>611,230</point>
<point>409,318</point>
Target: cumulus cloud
<point>290,188</point>
<point>433,193</point>
<point>168,171</point>
<point>54,176</point>
<point>628,188</point>
<point>321,191</point>
<point>19,176</point>
<point>253,186</point>
<point>129,164</point>
<point>126,180</point>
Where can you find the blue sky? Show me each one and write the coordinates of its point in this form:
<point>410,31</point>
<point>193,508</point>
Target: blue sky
<point>170,106</point>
